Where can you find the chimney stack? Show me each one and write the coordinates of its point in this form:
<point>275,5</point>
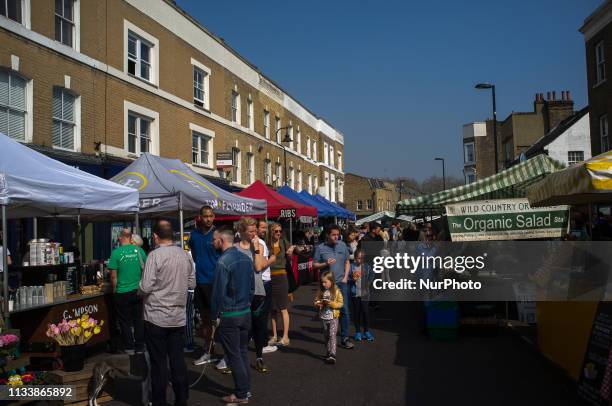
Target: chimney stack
<point>548,96</point>
<point>554,94</point>
<point>567,95</point>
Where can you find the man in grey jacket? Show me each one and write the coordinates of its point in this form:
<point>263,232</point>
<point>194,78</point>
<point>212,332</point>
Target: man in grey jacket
<point>168,273</point>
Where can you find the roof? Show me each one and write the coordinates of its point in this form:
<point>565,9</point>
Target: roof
<point>276,202</point>
<point>509,183</point>
<point>553,134</point>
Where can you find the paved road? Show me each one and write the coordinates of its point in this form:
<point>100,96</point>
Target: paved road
<point>401,367</point>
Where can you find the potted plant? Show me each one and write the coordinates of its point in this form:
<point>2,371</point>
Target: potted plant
<point>8,347</point>
<point>72,335</point>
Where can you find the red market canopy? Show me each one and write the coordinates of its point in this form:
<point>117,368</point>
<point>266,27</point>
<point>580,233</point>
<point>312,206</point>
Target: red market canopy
<point>278,205</point>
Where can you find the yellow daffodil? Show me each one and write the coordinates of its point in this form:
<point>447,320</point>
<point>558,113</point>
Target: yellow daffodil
<point>77,331</point>
<point>101,322</point>
<point>97,330</point>
<point>87,334</point>
<point>85,317</point>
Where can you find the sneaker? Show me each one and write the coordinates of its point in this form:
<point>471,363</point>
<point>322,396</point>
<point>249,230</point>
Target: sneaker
<point>357,337</point>
<point>368,335</point>
<point>269,348</point>
<point>281,343</point>
<point>272,341</point>
<point>330,360</point>
<point>260,366</point>
<point>345,343</point>
<point>204,359</point>
<point>233,400</point>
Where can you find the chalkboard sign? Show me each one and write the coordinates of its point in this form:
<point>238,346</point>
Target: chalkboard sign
<point>596,357</point>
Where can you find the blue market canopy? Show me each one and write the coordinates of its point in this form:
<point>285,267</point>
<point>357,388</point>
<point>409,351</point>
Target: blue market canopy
<point>34,185</point>
<point>334,209</point>
<point>345,213</point>
<point>322,210</point>
<point>510,183</point>
<point>168,185</point>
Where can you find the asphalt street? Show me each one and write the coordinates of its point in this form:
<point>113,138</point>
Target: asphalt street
<point>401,367</point>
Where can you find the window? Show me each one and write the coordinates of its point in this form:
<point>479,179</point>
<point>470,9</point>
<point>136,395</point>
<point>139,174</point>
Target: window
<point>237,170</point>
<point>298,181</point>
<point>291,178</point>
<point>508,151</point>
<point>314,151</point>
<point>250,123</point>
<point>13,105</point>
<point>369,202</point>
<point>388,204</point>
<point>276,128</point>
<point>198,86</point>
<point>11,9</point>
<point>139,134</point>
<point>341,190</point>
<point>279,175</point>
<point>339,161</point>
<point>235,107</point>
<point>603,132</point>
<point>290,132</point>
<point>139,57</point>
<point>200,149</point>
<point>267,172</point>
<point>331,156</point>
<point>468,149</point>
<point>64,22</point>
<point>325,153</point>
<point>315,181</point>
<point>64,119</point>
<point>266,124</point>
<point>298,141</point>
<point>332,187</point>
<point>359,204</point>
<point>309,183</point>
<point>307,147</point>
<point>470,177</point>
<point>573,157</point>
<point>600,62</point>
<point>250,171</point>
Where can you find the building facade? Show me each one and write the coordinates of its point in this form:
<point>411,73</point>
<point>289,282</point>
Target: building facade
<point>101,82</point>
<point>515,134</point>
<point>366,196</point>
<point>597,31</point>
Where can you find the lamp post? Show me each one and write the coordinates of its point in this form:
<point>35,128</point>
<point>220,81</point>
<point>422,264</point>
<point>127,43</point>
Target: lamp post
<point>287,138</point>
<point>492,87</point>
<point>443,173</point>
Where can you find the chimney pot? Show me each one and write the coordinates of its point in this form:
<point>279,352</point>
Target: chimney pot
<point>567,95</point>
<point>563,95</point>
<point>548,96</point>
<point>554,94</point>
<point>537,98</point>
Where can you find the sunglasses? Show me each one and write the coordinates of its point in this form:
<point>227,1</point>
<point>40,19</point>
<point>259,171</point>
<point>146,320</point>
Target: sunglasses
<point>278,231</point>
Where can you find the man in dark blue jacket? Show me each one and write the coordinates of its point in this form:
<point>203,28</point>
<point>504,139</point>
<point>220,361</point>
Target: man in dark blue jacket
<point>233,290</point>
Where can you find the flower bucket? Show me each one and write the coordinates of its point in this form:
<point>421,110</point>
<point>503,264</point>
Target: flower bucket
<point>73,357</point>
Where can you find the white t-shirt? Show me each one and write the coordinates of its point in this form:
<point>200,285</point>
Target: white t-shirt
<point>2,260</point>
<point>265,275</point>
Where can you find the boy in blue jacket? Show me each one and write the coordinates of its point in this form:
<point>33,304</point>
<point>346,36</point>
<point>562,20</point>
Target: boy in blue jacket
<point>360,280</point>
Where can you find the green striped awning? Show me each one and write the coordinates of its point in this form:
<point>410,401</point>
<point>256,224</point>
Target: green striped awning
<point>509,183</point>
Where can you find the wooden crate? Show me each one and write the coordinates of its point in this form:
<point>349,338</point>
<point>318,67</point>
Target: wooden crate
<point>80,380</point>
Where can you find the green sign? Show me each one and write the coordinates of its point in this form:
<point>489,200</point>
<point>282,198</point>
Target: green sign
<point>508,219</point>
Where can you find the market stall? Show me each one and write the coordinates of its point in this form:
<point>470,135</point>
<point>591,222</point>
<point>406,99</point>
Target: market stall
<point>322,210</point>
<point>168,187</point>
<point>380,217</point>
<point>52,285</point>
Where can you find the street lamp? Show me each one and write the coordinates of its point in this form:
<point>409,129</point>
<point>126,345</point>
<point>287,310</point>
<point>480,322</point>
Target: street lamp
<point>492,87</point>
<point>287,138</point>
<point>443,172</point>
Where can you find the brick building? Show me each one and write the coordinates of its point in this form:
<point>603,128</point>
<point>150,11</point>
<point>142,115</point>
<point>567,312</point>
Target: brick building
<point>96,83</point>
<point>597,31</point>
<point>515,134</point>
<point>366,196</point>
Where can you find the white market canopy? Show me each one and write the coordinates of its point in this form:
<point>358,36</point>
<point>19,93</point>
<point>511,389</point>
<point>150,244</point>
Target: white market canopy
<point>34,185</point>
<point>168,185</point>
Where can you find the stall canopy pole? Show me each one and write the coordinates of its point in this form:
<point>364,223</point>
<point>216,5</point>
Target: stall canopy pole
<point>35,227</point>
<point>5,267</point>
<point>137,224</point>
<point>291,231</point>
<point>181,226</point>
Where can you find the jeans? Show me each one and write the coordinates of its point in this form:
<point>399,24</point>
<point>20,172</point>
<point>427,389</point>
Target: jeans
<point>234,336</point>
<point>189,308</point>
<point>345,315</point>
<point>361,314</point>
<point>259,318</point>
<point>128,308</point>
<point>165,345</point>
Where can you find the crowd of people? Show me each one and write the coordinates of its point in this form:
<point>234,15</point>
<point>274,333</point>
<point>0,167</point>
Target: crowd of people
<point>237,279</point>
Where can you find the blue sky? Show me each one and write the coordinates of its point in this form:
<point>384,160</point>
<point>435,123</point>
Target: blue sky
<point>396,77</point>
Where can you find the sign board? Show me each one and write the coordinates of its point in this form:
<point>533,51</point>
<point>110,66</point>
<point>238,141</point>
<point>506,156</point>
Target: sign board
<point>224,159</point>
<point>287,213</point>
<point>505,219</point>
<point>595,361</point>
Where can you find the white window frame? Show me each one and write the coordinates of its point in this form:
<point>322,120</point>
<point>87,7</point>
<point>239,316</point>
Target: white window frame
<point>331,156</point>
<point>290,131</point>
<point>266,124</point>
<point>25,14</point>
<point>146,113</point>
<point>340,190</point>
<point>574,157</point>
<point>268,172</point>
<point>153,41</point>
<point>359,205</point>
<point>308,149</point>
<point>237,169</point>
<point>298,140</point>
<point>332,187</point>
<point>600,62</point>
<point>325,153</point>
<point>470,177</point>
<point>206,83</point>
<point>235,113</point>
<point>369,204</point>
<point>250,169</point>
<point>298,181</point>
<point>249,112</point>
<point>310,183</point>
<point>291,178</point>
<point>465,153</point>
<point>279,175</point>
<point>29,110</point>
<point>277,126</point>
<point>315,181</point>
<point>339,167</point>
<point>76,124</point>
<point>314,150</point>
<point>76,25</point>
<point>604,133</point>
